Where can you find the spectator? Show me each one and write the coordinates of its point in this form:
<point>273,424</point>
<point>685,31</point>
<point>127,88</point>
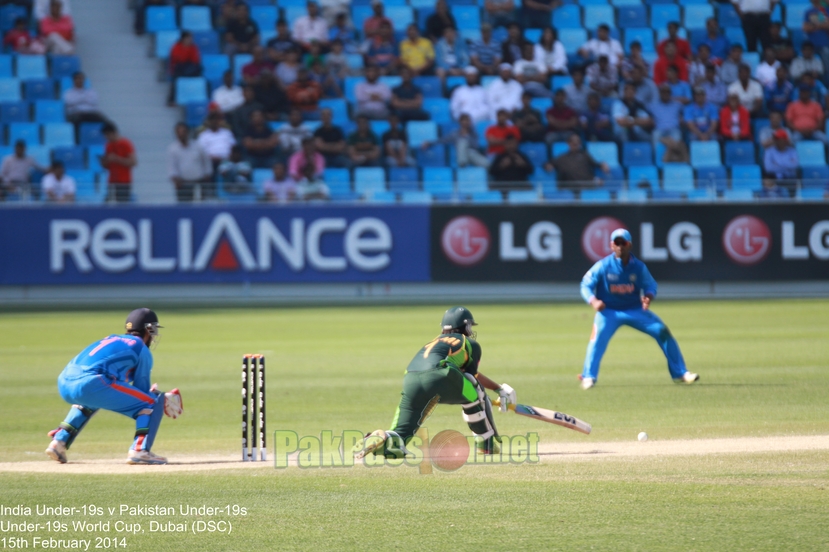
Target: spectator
<point>537,13</point>
<point>511,169</point>
<point>306,156</point>
<point>58,30</point>
<point>771,190</point>
<point>631,120</point>
<point>241,32</point>
<point>417,52</point>
<point>485,52</point>
<point>806,62</point>
<point>735,121</point>
<point>701,118</point>
<point>439,21</point>
<point>780,163</point>
<point>782,46</point>
<point>766,72</point>
<point>670,59</point>
<point>635,60</point>
<point>330,141</point>
<point>646,91</point>
<point>531,73</point>
<point>311,186</point>
<point>261,142</point>
<point>282,43</point>
<point>291,135</point>
<point>575,169</point>
<point>577,91</point>
<point>239,118</point>
<point>805,118</point>
<point>396,145</point>
<point>43,7</point>
<point>503,93</point>
<point>603,45</point>
<point>809,81</point>
<point>498,133</point>
<point>21,41</point>
<point>288,68</point>
<point>215,140</point>
<point>667,114</point>
<point>451,56</point>
<point>766,135</point>
<point>562,120</point>
<point>81,103</point>
<point>756,18</point>
<point>311,28</point>
<point>280,188</point>
<point>57,186</point>
<point>235,172</point>
<point>185,61</point>
<point>467,143</point>
<point>470,99</point>
<point>271,98</point>
<point>595,122</point>
<point>382,52</point>
<point>407,99</point>
<point>499,13</point>
<point>603,77</point>
<point>715,90</point>
<point>696,70</point>
<point>336,62</point>
<point>816,27</point>
<point>715,40</point>
<point>345,33</point>
<point>372,24</point>
<point>529,121</point>
<point>305,94</point>
<point>189,165</point>
<point>16,171</point>
<point>550,52</point>
<point>730,68</point>
<point>119,158</point>
<point>228,96</point>
<point>512,49</point>
<point>749,91</point>
<point>259,65</point>
<point>363,145</point>
<point>683,48</point>
<point>373,96</point>
<point>680,90</point>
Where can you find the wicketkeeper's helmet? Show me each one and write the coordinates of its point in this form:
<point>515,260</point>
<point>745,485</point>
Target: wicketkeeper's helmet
<point>143,320</point>
<point>460,319</point>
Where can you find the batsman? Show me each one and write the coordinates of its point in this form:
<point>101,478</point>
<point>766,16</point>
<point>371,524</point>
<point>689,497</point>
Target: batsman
<point>114,374</point>
<point>444,371</point>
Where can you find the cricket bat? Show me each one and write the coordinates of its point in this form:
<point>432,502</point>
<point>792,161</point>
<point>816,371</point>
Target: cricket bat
<point>549,416</point>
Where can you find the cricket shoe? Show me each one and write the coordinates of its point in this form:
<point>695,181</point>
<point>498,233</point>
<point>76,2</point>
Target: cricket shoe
<point>491,445</point>
<point>57,451</point>
<point>587,383</point>
<point>688,377</point>
<point>372,442</point>
<point>145,457</point>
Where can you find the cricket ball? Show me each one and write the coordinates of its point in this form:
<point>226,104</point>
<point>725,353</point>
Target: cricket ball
<point>448,450</point>
<point>643,436</point>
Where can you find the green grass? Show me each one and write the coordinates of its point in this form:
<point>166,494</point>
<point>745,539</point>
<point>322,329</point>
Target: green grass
<point>763,367</point>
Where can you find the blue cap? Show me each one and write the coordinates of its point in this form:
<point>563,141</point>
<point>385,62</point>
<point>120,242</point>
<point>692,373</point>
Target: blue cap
<point>620,233</point>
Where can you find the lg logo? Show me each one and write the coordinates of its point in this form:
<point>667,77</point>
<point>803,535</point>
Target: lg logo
<point>595,240</point>
<point>747,240</point>
<point>465,240</point>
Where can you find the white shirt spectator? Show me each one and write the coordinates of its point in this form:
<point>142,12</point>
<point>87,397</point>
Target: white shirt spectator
<point>747,95</point>
<point>290,137</point>
<point>228,99</point>
<point>767,74</point>
<point>555,61</point>
<point>307,29</point>
<point>80,100</point>
<point>529,67</point>
<point>471,100</point>
<point>753,6</point>
<point>42,8</point>
<point>503,95</point>
<point>188,162</point>
<point>280,191</point>
<point>59,189</point>
<point>217,143</point>
<point>612,49</point>
<point>16,169</point>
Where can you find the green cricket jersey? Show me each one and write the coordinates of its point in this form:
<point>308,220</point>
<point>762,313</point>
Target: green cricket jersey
<point>453,349</point>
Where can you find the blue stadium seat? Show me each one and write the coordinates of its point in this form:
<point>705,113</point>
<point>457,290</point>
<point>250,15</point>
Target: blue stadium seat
<point>739,153</point>
<point>433,156</point>
<point>6,67</point>
<point>339,184</point>
<point>668,195</point>
<point>559,195</point>
<point>207,41</point>
<point>741,194</point>
<point>439,180</point>
<point>196,18</point>
<point>195,113</point>
<point>471,180</point>
<point>265,16</point>
<point>637,154</point>
<point>702,195</point>
<point>416,197</point>
<point>403,179</point>
<point>453,82</point>
<point>542,104</point>
<point>15,112</point>
<point>596,15</point>
<point>360,13</point>
<point>735,35</point>
<point>431,86</point>
<point>632,196</point>
<point>421,131</point>
<point>467,17</point>
<point>662,14</point>
<point>58,134</point>
<point>380,196</point>
<point>92,154</point>
<point>522,197</point>
<point>401,17</point>
<point>630,17</point>
<point>537,153</point>
<point>572,39</point>
<point>164,41</point>
<point>544,180</point>
<point>811,153</point>
<point>567,16</point>
<point>369,180</point>
<point>727,16</point>
<point>339,109</point>
<point>214,66</point>
<point>28,132</point>
<point>643,173</point>
<point>534,35</point>
<point>9,13</point>
<point>614,180</point>
<point>71,156</point>
<point>379,127</point>
<point>485,197</point>
<point>695,16</point>
<point>480,128</point>
<point>49,111</point>
<point>814,176</point>
<point>705,154</point>
<point>643,35</point>
<point>677,177</point>
<point>559,148</point>
<point>811,194</point>
<point>350,86</point>
<point>560,81</point>
<point>39,89</point>
<point>794,14</point>
<point>239,61</point>
<point>595,196</point>
<point>90,134</point>
<point>161,18</point>
<point>190,89</point>
<point>746,176</point>
<point>618,3</point>
<point>606,152</point>
<point>417,4</point>
<point>391,81</point>
<point>64,66</point>
<point>439,109</point>
<point>41,154</point>
<point>712,177</point>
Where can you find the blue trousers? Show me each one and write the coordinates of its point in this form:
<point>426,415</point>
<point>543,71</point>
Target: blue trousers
<point>93,392</point>
<point>608,321</point>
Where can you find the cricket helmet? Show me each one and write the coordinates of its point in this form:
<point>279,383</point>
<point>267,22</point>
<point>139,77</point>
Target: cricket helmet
<point>142,321</point>
<point>458,318</point>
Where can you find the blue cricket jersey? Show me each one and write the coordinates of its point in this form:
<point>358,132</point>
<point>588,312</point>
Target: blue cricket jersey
<point>123,358</point>
<point>619,286</point>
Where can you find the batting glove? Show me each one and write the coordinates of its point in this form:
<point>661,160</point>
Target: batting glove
<point>507,396</point>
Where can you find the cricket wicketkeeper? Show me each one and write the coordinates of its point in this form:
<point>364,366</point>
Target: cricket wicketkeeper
<point>444,371</point>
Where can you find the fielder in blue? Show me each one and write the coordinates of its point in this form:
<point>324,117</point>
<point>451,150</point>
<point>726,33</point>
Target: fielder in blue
<point>620,289</point>
<point>114,374</point>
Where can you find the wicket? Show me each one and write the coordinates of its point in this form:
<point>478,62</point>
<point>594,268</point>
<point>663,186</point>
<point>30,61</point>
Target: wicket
<point>253,403</point>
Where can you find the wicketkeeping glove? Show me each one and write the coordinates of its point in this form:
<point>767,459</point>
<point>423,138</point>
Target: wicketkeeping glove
<point>173,405</point>
<point>507,395</point>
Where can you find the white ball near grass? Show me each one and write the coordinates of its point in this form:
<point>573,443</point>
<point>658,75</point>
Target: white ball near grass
<point>643,436</point>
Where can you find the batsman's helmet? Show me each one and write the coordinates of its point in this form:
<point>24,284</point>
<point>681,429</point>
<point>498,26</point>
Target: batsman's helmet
<point>458,318</point>
<point>142,321</point>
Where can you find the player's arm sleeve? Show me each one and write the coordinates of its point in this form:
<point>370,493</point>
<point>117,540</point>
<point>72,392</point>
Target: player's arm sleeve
<point>590,281</point>
<point>648,283</point>
<point>474,358</point>
<point>141,380</point>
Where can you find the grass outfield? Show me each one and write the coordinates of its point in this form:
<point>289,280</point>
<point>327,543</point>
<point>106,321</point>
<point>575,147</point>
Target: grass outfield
<point>763,367</point>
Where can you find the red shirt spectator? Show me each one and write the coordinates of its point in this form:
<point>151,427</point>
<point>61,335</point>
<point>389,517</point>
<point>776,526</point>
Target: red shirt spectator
<point>21,40</point>
<point>805,115</point>
<point>64,26</point>
<point>735,121</point>
<point>371,25</point>
<point>304,93</point>
<point>258,65</point>
<point>683,48</point>
<point>184,51</point>
<point>120,169</point>
<point>496,134</point>
<point>660,69</point>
